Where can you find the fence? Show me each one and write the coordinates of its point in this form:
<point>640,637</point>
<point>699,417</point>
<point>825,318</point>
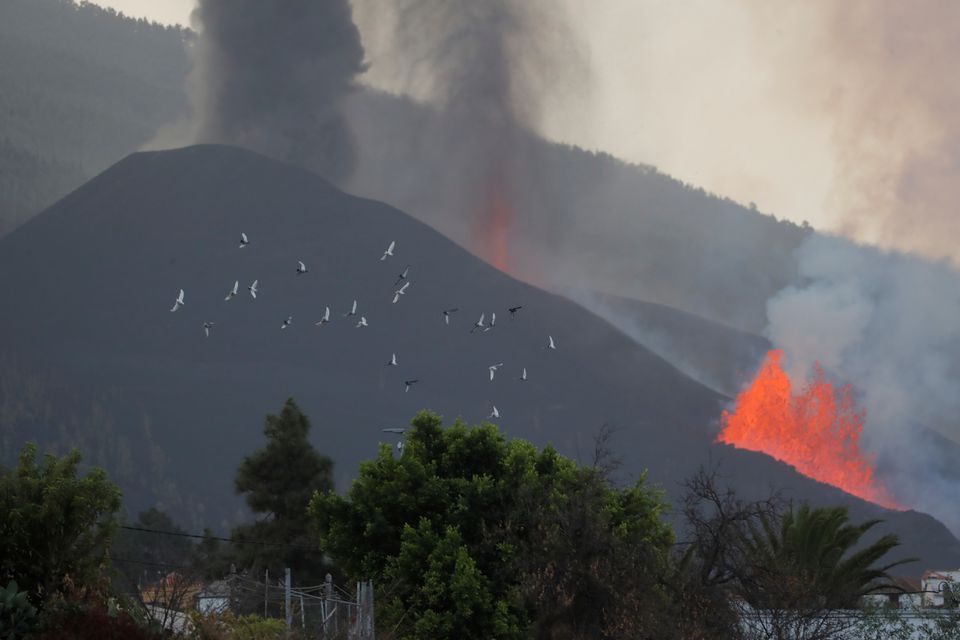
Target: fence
<point>325,611</point>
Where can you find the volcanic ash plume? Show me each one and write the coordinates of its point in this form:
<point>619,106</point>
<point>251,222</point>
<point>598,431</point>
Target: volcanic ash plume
<point>483,67</point>
<point>271,76</point>
<point>883,74</point>
<point>889,324</point>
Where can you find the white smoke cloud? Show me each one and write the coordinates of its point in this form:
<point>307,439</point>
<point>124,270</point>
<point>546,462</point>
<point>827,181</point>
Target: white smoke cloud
<point>888,323</point>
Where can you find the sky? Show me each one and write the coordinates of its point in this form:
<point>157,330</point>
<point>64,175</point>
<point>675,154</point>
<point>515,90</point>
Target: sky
<point>835,112</point>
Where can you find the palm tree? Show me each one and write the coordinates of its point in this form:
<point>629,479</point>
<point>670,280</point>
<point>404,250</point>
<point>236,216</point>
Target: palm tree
<point>813,557</point>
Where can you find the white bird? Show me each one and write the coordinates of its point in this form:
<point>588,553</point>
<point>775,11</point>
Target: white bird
<point>399,292</point>
<point>243,240</point>
<point>493,370</point>
<point>409,383</point>
<point>393,360</point>
<point>233,292</point>
<point>494,413</point>
<point>363,322</point>
<point>447,312</point>
<point>179,302</point>
<point>253,289</point>
<point>551,344</point>
<point>523,376</point>
<point>286,323</point>
<point>479,323</point>
<point>301,268</point>
<point>353,310</point>
<point>326,317</point>
<point>389,251</point>
<point>402,276</point>
<point>207,326</point>
<point>493,322</point>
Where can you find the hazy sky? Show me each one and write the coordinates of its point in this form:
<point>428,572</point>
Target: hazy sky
<point>839,112</point>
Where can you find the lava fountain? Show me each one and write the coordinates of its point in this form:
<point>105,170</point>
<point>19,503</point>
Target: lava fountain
<point>492,226</point>
<point>816,430</point>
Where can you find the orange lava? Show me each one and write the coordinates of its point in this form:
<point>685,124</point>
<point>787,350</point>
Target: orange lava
<point>493,227</point>
<point>816,430</point>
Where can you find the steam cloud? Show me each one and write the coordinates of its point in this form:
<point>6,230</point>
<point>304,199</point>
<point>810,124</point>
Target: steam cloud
<point>272,77</point>
<point>890,324</point>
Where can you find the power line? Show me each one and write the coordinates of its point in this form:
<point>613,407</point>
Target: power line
<point>183,534</point>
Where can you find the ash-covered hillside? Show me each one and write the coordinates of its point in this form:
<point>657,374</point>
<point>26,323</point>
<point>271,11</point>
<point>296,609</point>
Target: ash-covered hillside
<point>101,362</point>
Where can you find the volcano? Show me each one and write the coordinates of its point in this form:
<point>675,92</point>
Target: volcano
<point>94,358</point>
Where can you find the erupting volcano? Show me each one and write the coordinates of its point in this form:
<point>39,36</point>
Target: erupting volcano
<point>816,430</point>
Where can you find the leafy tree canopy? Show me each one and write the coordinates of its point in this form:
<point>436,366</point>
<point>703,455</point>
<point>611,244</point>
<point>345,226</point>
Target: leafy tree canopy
<point>56,525</point>
<point>472,535</point>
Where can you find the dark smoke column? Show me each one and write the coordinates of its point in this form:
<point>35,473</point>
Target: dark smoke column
<point>271,75</point>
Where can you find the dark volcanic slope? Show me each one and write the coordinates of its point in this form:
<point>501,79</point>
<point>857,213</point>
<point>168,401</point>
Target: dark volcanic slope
<point>94,277</point>
<point>721,357</point>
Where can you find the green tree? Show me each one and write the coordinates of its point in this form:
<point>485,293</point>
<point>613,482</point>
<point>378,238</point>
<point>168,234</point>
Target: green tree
<point>277,482</point>
<point>814,557</point>
<point>56,526</point>
<point>471,535</point>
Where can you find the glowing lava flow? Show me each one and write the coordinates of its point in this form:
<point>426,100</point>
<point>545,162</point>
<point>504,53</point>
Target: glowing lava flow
<point>493,227</point>
<point>817,431</point>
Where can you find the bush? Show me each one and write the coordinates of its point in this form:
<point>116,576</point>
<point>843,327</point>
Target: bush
<point>227,626</point>
<point>17,615</point>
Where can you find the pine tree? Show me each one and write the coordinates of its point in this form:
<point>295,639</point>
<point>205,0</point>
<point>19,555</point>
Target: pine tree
<point>278,482</point>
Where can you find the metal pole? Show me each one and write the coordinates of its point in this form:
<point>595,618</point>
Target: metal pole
<point>266,590</point>
<point>303,615</point>
<point>286,599</point>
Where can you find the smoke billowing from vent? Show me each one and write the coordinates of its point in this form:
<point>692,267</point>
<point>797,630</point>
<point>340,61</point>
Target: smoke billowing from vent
<point>890,325</point>
<point>484,67</point>
<point>271,76</point>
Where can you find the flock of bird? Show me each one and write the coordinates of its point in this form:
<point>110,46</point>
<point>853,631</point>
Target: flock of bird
<point>482,324</point>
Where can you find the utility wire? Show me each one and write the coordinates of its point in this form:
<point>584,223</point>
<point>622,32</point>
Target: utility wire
<point>219,538</point>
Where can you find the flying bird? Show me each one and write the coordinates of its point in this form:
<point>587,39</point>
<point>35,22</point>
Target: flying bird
<point>233,292</point>
<point>363,322</point>
<point>513,311</point>
<point>447,312</point>
<point>253,289</point>
<point>393,360</point>
<point>479,323</point>
<point>399,292</point>
<point>353,310</point>
<point>494,413</point>
<point>179,302</point>
<point>493,322</point>
<point>523,376</point>
<point>326,317</point>
<point>409,383</point>
<point>301,268</point>
<point>389,251</point>
<point>493,370</point>
<point>243,240</point>
<point>551,344</point>
<point>206,328</point>
<point>402,276</point>
<point>395,430</point>
<point>286,323</point>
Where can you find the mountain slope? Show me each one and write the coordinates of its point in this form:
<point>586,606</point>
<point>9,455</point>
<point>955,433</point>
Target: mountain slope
<point>95,276</point>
